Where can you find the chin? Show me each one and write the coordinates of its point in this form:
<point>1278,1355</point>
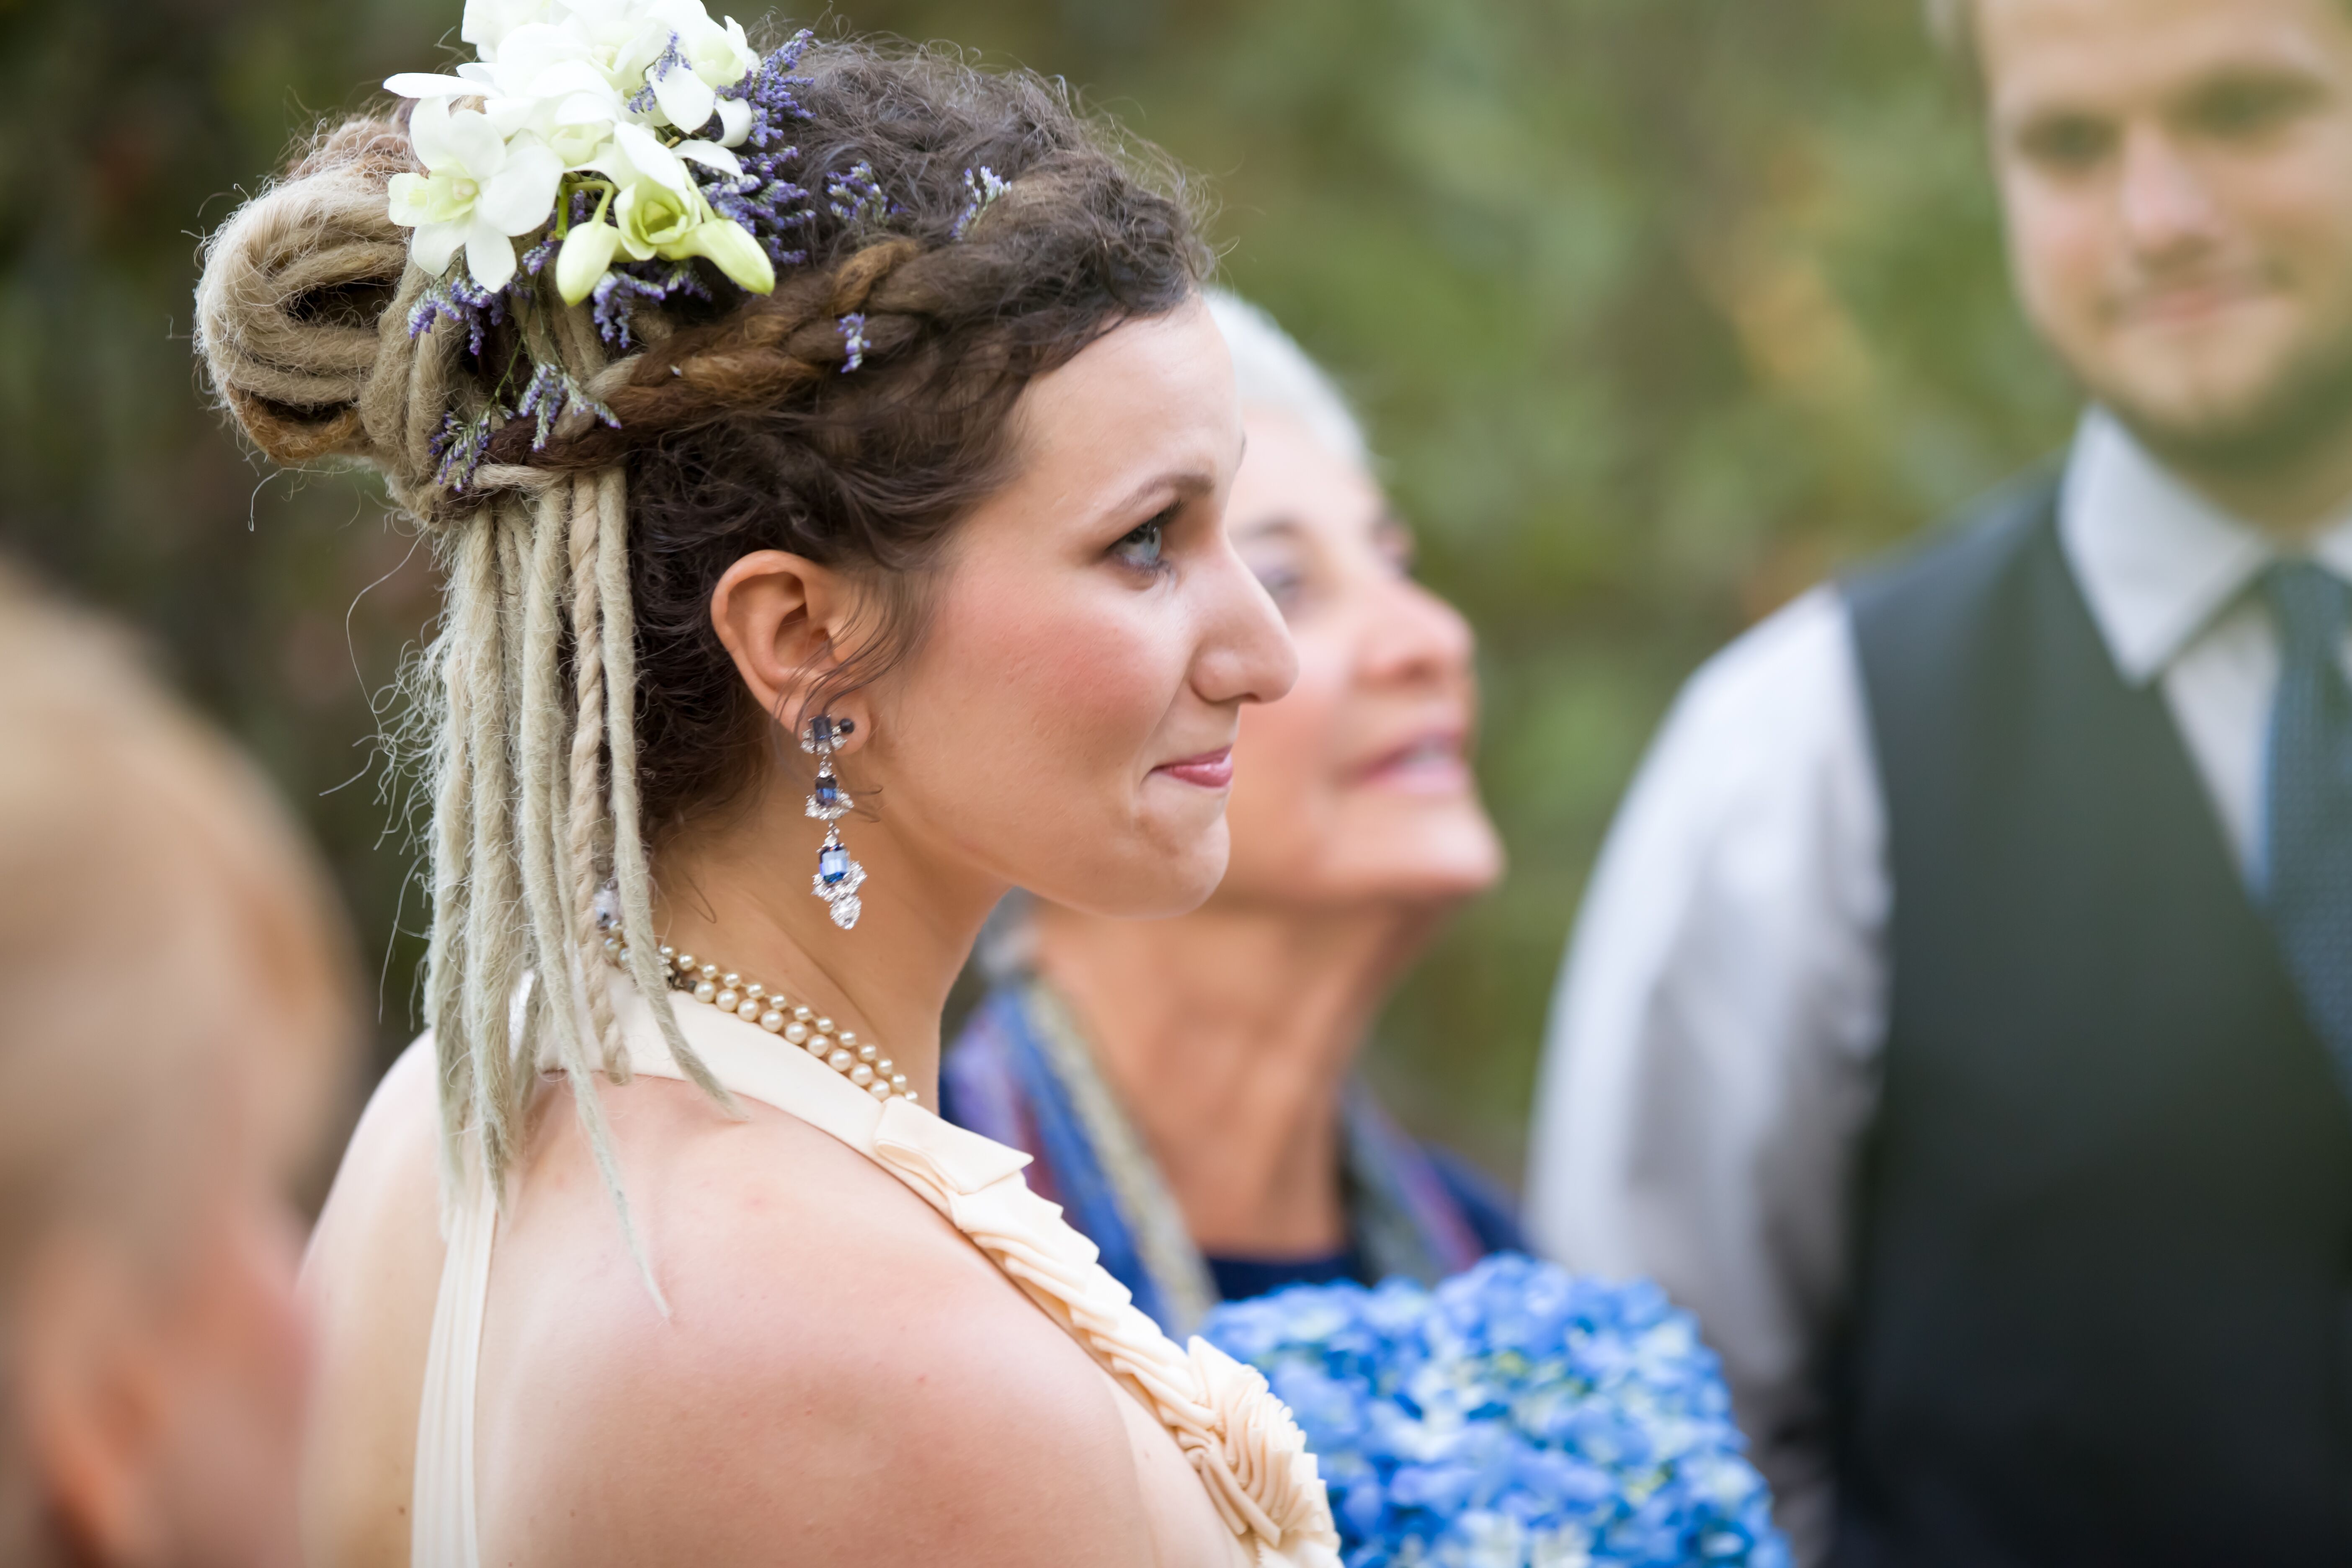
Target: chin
<point>1449,848</point>
<point>1443,878</point>
<point>1155,880</point>
<point>1448,866</point>
<point>2188,389</point>
<point>2192,404</point>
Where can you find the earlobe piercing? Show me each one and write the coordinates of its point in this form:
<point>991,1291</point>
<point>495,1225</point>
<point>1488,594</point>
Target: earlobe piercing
<point>838,876</point>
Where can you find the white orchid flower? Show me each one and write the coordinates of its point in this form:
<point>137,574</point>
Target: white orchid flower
<point>476,80</point>
<point>488,23</point>
<point>658,211</point>
<point>734,122</point>
<point>651,219</point>
<point>620,37</point>
<point>711,57</point>
<point>637,154</point>
<point>479,192</point>
<point>569,106</point>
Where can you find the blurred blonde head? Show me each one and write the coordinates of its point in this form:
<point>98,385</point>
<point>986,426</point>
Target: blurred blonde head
<point>173,1017</point>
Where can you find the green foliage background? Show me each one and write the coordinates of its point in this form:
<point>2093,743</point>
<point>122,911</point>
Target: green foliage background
<point>1658,310</point>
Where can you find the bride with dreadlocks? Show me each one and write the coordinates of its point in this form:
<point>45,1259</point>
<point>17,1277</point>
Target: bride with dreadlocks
<point>824,454</point>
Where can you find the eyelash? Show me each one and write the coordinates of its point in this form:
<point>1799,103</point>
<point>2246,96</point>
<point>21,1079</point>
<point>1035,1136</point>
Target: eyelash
<point>1153,535</point>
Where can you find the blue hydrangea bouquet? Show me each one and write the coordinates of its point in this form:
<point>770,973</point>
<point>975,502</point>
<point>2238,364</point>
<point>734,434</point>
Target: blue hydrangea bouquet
<point>1517,1417</point>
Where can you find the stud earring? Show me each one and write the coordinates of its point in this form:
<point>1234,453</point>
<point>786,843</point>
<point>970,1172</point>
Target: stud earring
<point>838,876</point>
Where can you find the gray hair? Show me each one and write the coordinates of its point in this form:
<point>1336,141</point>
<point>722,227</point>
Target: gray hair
<point>1274,373</point>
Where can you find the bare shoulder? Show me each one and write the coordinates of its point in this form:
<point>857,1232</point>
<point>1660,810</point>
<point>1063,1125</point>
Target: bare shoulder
<point>370,1278</point>
<point>842,1377</point>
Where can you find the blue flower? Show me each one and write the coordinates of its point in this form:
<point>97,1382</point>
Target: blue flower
<point>1515,1415</point>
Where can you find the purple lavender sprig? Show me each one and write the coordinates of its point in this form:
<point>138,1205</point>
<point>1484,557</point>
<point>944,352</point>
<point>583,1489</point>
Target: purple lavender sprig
<point>456,296</point>
<point>642,100</point>
<point>460,444</point>
<point>857,198</point>
<point>617,295</point>
<point>768,88</point>
<point>552,393</point>
<point>773,207</point>
<point>769,206</point>
<point>853,337</point>
<point>981,188</point>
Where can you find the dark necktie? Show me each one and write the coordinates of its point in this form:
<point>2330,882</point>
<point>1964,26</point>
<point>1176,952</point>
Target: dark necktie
<point>2307,854</point>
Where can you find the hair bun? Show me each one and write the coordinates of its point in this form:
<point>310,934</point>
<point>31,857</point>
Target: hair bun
<point>301,311</point>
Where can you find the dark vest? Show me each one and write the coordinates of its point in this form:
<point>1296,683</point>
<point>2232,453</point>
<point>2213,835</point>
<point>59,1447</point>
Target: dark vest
<point>2103,1232</point>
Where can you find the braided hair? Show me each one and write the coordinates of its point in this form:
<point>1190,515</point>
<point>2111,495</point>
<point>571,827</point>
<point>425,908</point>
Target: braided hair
<point>582,706</point>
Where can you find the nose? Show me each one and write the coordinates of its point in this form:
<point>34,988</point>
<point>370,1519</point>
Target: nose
<point>1245,654</point>
<point>2166,209</point>
<point>1411,636</point>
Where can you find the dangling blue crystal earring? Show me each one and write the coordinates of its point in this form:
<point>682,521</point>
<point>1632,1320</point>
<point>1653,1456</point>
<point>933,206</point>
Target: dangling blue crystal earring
<point>838,876</point>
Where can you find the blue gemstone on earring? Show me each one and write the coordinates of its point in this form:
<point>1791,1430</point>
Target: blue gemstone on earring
<point>828,790</point>
<point>832,863</point>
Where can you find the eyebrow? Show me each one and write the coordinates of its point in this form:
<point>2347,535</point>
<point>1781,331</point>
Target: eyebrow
<point>2290,78</point>
<point>1186,482</point>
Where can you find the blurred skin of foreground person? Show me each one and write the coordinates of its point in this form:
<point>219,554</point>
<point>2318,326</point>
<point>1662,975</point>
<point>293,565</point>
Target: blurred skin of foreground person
<point>178,1023</point>
<point>653,1250</point>
<point>1961,1018</point>
<point>1186,1085</point>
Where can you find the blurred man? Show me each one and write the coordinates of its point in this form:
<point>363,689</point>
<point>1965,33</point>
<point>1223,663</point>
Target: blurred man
<point>1961,1018</point>
<point>173,1022</point>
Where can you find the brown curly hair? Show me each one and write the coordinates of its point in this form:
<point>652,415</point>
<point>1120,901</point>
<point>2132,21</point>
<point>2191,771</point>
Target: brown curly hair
<point>584,707</point>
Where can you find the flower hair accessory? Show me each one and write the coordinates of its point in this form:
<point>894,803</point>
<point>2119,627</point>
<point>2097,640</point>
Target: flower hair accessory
<point>624,141</point>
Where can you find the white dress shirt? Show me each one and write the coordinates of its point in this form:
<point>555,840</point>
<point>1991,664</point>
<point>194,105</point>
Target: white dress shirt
<point>1712,1058</point>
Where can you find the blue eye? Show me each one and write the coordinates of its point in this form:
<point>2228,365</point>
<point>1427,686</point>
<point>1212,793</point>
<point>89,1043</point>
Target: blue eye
<point>1142,547</point>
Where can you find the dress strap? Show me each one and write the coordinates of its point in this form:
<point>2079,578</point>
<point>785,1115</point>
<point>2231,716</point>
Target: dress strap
<point>442,1519</point>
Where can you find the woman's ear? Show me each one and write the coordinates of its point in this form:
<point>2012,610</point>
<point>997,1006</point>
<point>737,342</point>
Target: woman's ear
<point>789,621</point>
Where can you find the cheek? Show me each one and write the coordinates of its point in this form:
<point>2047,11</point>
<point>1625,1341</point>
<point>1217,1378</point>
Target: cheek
<point>2302,213</point>
<point>2059,252</point>
<point>1068,685</point>
<point>1286,766</point>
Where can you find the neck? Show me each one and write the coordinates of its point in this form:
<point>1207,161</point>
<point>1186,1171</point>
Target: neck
<point>736,894</point>
<point>2290,491</point>
<point>1228,1035</point>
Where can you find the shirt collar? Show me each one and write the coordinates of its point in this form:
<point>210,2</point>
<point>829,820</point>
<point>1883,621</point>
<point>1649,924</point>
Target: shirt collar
<point>2157,560</point>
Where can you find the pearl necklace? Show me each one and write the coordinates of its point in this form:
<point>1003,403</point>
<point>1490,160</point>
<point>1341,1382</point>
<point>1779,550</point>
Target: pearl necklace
<point>863,1064</point>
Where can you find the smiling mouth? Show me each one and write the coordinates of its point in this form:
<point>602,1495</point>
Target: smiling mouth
<point>1431,762</point>
<point>1210,770</point>
<point>2187,303</point>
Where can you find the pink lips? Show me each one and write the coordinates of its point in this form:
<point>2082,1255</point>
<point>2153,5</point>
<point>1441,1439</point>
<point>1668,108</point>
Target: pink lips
<point>1210,770</point>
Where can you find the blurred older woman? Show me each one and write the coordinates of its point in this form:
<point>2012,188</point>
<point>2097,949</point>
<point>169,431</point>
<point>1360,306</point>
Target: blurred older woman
<point>174,1014</point>
<point>1187,1086</point>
